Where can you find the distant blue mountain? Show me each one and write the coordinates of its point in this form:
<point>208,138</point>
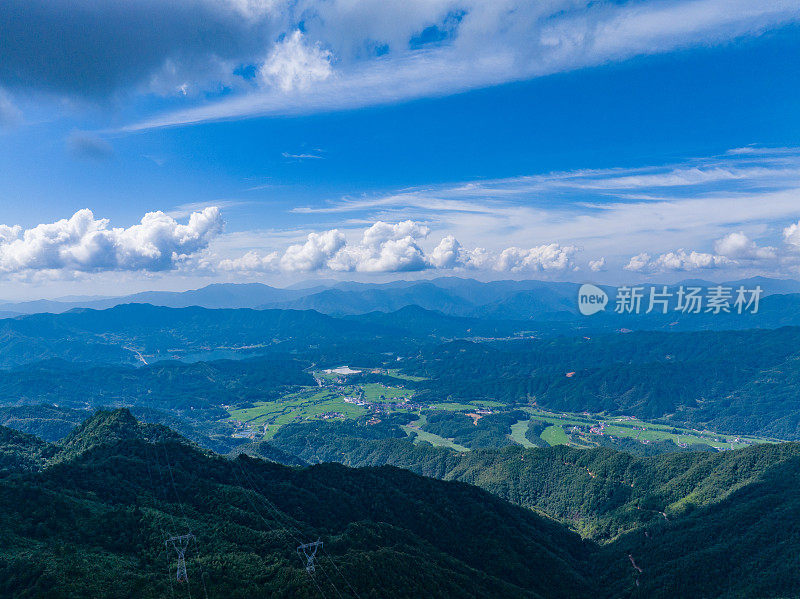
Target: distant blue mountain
<point>497,300</point>
<point>218,295</point>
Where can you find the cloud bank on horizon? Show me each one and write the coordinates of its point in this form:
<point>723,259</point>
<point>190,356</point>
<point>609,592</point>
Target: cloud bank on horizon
<point>744,204</point>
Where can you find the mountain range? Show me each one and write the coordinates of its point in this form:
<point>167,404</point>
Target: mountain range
<point>509,300</point>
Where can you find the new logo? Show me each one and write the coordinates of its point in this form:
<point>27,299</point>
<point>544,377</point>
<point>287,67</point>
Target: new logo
<point>591,299</point>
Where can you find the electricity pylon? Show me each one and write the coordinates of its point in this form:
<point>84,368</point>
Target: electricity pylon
<point>180,544</point>
<point>309,551</point>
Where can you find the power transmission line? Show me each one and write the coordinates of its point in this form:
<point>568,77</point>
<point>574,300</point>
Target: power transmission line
<point>162,486</point>
<point>289,524</point>
<point>249,487</point>
<point>186,521</point>
<point>155,506</point>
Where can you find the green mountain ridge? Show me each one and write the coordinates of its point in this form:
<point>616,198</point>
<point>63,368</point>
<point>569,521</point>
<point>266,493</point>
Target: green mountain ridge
<point>699,524</point>
<point>94,523</point>
<point>93,520</point>
<point>602,493</point>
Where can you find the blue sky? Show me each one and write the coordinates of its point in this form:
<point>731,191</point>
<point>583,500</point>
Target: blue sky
<point>574,140</point>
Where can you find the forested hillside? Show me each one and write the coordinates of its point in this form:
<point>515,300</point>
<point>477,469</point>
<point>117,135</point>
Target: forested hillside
<point>89,516</point>
<point>696,523</point>
<point>601,493</point>
<point>737,381</point>
<point>92,519</point>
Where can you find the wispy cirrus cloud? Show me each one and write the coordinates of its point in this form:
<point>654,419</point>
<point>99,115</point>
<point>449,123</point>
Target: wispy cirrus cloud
<point>757,170</point>
<point>304,156</point>
<point>347,57</point>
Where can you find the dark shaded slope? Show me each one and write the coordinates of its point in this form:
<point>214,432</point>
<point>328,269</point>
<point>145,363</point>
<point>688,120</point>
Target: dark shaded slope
<point>744,546</point>
<point>94,523</point>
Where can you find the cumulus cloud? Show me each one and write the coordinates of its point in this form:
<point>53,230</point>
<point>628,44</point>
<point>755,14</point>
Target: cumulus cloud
<point>395,247</point>
<point>317,252</point>
<point>639,262</point>
<point>83,243</point>
<point>8,234</point>
<point>734,249</point>
<point>791,235</point>
<point>447,253</point>
<point>550,257</point>
<point>451,254</point>
<point>253,262</point>
<point>597,265</point>
<point>294,64</point>
<point>398,247</point>
<point>385,247</point>
<point>679,260</point>
<point>739,246</point>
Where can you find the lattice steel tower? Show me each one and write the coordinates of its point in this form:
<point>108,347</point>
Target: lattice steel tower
<point>180,544</point>
<point>309,551</point>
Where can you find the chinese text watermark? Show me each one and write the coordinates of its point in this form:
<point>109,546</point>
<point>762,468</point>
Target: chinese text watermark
<point>717,299</point>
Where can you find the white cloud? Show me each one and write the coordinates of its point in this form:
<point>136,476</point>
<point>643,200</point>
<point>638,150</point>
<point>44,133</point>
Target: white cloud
<point>740,247</point>
<point>490,43</point>
<point>639,262</point>
<point>382,248</point>
<point>252,262</point>
<point>85,244</point>
<point>680,177</point>
<point>447,253</point>
<point>550,257</point>
<point>396,247</point>
<point>8,234</point>
<point>791,235</point>
<point>679,260</point>
<point>315,253</point>
<point>385,247</point>
<point>451,254</point>
<point>295,65</point>
<point>305,156</point>
<point>598,265</point>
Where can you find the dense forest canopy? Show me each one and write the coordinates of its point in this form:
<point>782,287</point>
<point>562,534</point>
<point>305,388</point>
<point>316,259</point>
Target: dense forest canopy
<point>98,506</point>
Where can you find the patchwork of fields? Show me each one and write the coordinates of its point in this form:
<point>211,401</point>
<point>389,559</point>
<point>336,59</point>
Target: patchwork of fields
<point>581,430</point>
<point>338,397</point>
